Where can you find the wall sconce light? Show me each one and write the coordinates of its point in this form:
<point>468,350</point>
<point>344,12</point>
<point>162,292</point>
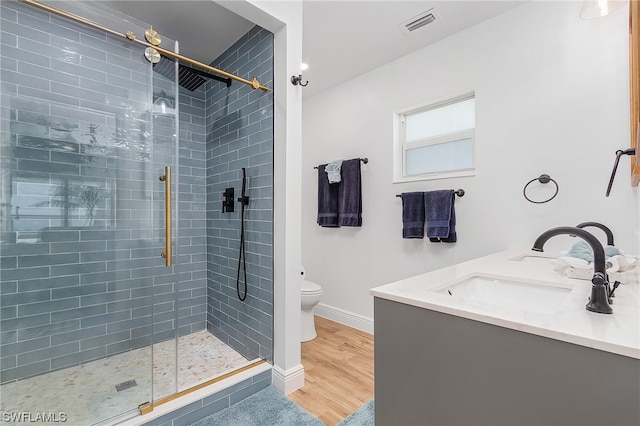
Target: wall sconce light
<point>297,79</point>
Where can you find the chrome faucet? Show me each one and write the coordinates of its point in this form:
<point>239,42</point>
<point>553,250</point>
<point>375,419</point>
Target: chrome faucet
<point>606,230</point>
<point>599,300</point>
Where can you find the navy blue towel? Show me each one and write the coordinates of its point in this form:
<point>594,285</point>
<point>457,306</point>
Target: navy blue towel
<point>413,208</point>
<point>440,215</point>
<point>327,199</point>
<point>350,194</point>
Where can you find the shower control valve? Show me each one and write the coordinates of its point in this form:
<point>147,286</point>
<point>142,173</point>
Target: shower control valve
<point>227,203</point>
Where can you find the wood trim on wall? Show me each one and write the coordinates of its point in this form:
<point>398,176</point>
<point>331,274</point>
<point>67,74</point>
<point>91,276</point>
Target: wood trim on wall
<point>634,72</point>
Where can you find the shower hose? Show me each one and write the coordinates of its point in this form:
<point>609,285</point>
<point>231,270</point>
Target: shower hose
<point>242,259</point>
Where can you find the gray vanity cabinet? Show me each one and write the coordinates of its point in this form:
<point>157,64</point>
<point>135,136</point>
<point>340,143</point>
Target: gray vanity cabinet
<point>434,369</point>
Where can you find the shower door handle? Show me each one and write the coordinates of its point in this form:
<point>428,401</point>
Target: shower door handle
<point>166,178</point>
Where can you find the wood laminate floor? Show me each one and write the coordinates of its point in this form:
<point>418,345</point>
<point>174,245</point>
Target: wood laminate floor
<point>338,366</point>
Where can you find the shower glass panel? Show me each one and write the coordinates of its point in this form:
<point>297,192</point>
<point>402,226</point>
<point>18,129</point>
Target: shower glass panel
<point>93,323</point>
<point>163,118</point>
<point>84,293</point>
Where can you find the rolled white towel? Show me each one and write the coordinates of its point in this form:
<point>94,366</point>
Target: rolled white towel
<point>621,263</point>
<point>564,262</point>
<point>573,267</point>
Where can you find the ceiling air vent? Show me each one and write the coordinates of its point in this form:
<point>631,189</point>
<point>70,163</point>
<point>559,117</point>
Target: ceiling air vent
<point>419,21</point>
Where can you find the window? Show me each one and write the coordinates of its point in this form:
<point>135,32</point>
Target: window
<point>435,141</point>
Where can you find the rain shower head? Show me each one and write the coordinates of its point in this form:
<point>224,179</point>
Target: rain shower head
<point>188,77</point>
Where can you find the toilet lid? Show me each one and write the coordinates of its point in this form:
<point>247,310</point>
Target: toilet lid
<point>310,287</point>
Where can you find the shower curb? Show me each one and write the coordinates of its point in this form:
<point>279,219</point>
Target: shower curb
<point>205,401</point>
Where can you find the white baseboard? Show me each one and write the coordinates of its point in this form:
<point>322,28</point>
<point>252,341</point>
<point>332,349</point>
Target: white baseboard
<point>287,381</point>
<point>345,317</point>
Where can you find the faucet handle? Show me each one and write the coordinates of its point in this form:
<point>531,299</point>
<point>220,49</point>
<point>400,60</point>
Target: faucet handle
<point>613,289</point>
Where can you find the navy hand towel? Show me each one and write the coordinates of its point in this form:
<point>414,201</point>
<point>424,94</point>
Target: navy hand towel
<point>327,200</point>
<point>440,215</point>
<point>413,209</point>
<point>350,194</point>
<point>453,236</point>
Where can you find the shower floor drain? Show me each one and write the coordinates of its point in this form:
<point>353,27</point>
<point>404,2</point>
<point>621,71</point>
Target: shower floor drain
<point>126,385</point>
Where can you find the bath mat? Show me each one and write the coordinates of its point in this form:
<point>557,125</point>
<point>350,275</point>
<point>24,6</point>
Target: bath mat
<point>363,416</point>
<point>266,407</point>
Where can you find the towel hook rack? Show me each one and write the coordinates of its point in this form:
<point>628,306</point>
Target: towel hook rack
<point>458,192</point>
<point>364,160</point>
<point>544,179</point>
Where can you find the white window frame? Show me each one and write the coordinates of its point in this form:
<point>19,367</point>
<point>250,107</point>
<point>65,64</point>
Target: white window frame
<point>400,146</point>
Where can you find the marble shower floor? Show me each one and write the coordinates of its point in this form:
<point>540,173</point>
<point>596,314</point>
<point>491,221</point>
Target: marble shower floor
<point>87,394</point>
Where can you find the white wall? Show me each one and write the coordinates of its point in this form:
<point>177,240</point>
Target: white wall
<point>551,97</point>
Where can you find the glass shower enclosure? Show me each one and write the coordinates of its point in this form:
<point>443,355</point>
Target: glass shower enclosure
<point>92,317</point>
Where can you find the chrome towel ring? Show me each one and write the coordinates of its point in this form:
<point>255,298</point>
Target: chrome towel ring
<point>544,178</point>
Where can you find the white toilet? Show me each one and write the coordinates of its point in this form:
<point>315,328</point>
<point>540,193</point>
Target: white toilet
<point>310,293</point>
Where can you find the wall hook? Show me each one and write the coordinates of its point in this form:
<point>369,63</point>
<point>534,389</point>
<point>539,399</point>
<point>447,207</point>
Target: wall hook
<point>297,79</point>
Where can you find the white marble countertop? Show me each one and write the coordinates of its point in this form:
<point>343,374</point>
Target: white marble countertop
<point>617,333</point>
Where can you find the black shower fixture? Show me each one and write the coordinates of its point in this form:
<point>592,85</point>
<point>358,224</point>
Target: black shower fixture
<point>242,258</point>
<point>228,201</point>
<point>188,77</point>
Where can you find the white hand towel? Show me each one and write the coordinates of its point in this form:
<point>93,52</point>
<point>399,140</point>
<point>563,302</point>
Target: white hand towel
<point>334,171</point>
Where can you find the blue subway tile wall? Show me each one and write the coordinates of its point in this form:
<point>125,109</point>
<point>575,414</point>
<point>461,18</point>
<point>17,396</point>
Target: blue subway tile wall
<point>79,264</point>
<point>240,134</point>
<point>191,207</point>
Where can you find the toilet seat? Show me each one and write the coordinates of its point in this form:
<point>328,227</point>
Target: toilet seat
<point>310,288</point>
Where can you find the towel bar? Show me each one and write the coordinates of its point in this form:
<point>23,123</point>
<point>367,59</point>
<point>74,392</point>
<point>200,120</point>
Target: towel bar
<point>544,179</point>
<point>458,192</point>
<point>364,161</point>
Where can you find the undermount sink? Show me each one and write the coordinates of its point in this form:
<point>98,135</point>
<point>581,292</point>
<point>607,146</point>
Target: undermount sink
<point>509,293</point>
